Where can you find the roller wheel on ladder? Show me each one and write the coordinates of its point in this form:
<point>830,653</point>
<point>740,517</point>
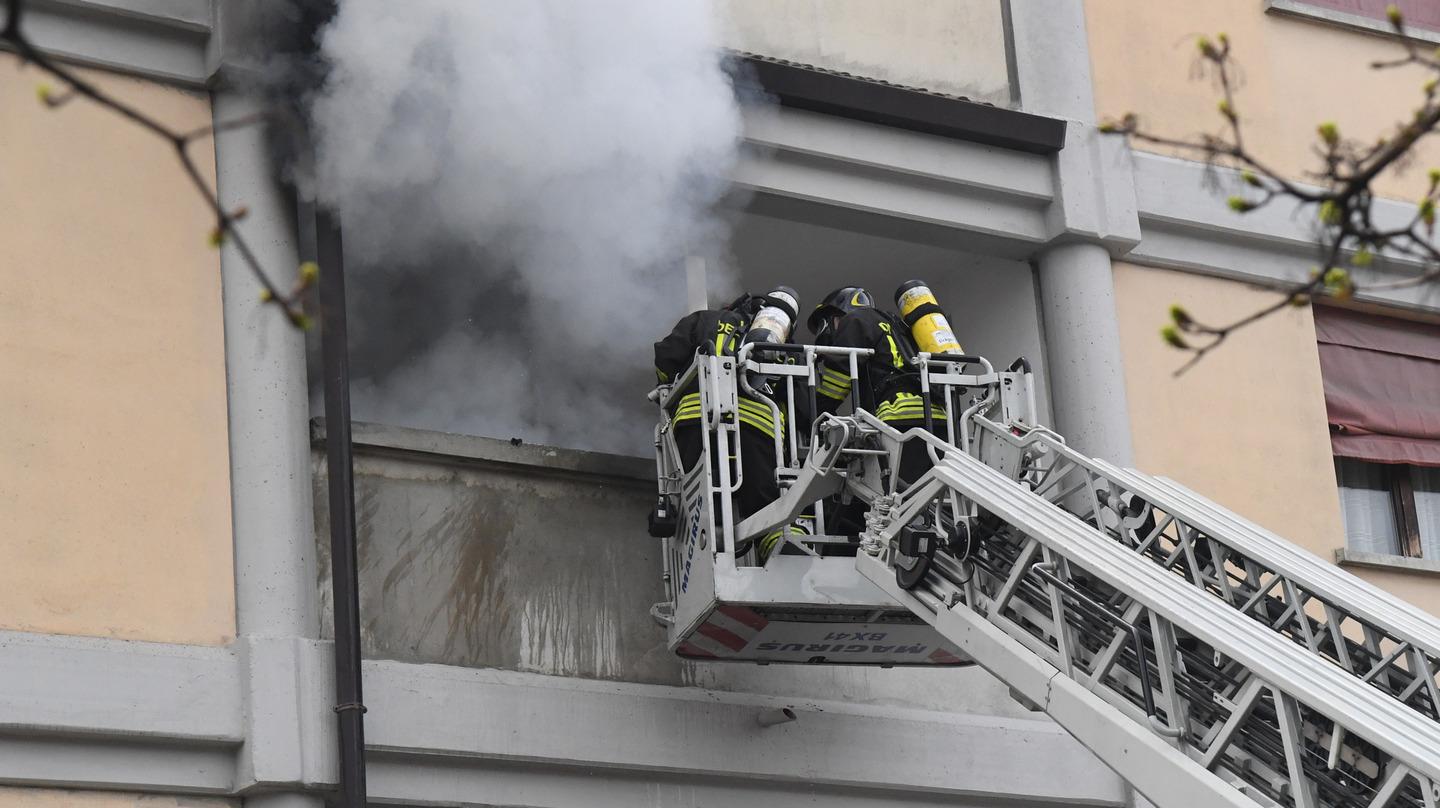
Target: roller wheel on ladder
<point>914,549</point>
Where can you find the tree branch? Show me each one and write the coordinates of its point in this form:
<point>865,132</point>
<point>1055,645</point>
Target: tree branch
<point>1343,205</point>
<point>290,302</point>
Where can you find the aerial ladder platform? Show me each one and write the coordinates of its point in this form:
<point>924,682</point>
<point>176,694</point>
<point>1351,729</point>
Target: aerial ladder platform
<point>1205,659</point>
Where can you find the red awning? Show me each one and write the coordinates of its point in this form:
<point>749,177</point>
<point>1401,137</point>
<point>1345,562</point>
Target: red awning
<point>1382,386</point>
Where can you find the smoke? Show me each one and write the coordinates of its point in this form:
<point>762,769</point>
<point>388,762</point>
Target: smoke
<point>518,183</point>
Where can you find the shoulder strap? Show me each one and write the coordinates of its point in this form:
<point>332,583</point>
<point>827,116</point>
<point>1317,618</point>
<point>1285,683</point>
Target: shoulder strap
<point>902,336</point>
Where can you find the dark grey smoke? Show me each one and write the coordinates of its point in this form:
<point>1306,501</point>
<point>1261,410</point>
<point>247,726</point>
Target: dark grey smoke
<point>273,44</point>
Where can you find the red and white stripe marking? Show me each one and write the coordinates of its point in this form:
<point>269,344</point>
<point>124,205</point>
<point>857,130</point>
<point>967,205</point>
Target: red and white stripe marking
<point>942,657</point>
<point>725,633</point>
<point>687,649</point>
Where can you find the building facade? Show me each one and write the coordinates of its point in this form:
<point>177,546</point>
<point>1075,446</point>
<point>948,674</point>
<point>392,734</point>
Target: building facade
<point>164,613</point>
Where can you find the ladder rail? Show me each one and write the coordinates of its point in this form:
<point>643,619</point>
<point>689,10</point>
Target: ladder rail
<point>1302,690</point>
<point>1356,595</point>
<point>1299,576</point>
<point>1320,685</point>
<point>1342,596</point>
<point>1124,745</point>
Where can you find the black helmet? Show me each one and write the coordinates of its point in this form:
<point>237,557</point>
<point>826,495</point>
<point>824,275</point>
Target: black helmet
<point>841,301</point>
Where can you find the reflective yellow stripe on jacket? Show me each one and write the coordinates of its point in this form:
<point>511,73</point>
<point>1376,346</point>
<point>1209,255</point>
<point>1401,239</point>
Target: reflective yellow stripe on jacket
<point>767,544</point>
<point>753,413</point>
<point>907,407</point>
<point>759,416</point>
<point>895,358</point>
<point>803,526</point>
<point>833,384</point>
<point>689,408</point>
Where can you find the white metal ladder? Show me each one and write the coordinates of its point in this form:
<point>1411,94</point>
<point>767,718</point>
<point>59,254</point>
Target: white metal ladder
<point>1205,660</point>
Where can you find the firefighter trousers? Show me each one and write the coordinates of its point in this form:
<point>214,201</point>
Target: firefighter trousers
<point>757,465</point>
<point>849,520</point>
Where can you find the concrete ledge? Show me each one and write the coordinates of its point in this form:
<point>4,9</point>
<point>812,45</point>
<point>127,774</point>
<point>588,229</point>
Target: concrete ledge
<point>87,712</point>
<point>60,685</point>
<point>1354,558</point>
<point>998,171</point>
<point>187,15</point>
<point>172,768</point>
<point>915,186</point>
<point>402,441</point>
<point>391,780</point>
<point>1186,225</point>
<point>164,40</point>
<point>93,713</point>
<point>965,195</point>
<point>545,726</point>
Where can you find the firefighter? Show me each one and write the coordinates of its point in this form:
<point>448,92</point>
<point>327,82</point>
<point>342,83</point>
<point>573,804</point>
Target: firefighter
<point>889,380</point>
<point>721,332</point>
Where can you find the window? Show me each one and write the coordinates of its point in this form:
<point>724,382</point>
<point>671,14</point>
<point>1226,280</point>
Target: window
<point>1382,399</point>
<point>1422,17</point>
<point>1390,509</point>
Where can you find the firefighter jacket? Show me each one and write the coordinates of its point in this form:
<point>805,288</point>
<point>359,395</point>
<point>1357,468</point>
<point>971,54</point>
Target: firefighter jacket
<point>889,381</point>
<point>710,332</point>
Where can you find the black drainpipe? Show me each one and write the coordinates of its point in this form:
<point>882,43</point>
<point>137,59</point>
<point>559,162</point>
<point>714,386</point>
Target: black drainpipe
<point>344,579</point>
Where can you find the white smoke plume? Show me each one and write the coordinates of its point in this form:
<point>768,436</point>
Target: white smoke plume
<point>518,183</point>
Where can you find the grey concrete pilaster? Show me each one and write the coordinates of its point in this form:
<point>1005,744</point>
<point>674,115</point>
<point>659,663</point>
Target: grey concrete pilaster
<point>1093,175</point>
<point>286,734</point>
<point>1082,343</point>
<point>1093,215</point>
<point>1094,186</point>
<point>265,367</point>
<point>1052,58</point>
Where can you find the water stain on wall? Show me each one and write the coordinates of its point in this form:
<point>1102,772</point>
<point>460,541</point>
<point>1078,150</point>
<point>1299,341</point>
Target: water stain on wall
<point>489,566</point>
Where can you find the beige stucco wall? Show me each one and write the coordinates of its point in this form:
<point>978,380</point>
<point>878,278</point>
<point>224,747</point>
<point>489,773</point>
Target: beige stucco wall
<point>1296,73</point>
<point>65,798</point>
<point>114,470</point>
<point>952,46</point>
<point>1246,427</point>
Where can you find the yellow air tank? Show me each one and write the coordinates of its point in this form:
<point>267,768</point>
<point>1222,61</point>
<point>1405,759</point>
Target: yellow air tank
<point>928,324</point>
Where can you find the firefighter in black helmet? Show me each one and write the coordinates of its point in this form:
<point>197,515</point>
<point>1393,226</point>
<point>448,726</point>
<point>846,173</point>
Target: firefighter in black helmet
<point>721,332</point>
<point>889,381</point>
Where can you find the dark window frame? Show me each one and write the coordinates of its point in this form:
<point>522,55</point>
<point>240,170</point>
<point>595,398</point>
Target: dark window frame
<point>1407,520</point>
<point>1401,487</point>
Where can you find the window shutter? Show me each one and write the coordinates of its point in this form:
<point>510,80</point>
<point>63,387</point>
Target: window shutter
<point>1382,386</point>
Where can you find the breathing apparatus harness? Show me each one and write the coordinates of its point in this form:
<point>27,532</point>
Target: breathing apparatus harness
<point>920,326</point>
